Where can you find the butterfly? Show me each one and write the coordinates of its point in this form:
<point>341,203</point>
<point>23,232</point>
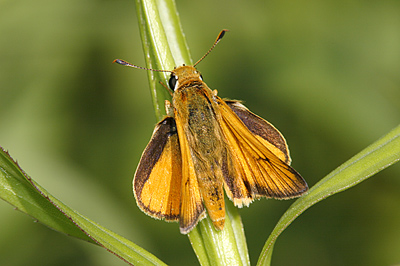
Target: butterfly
<point>207,145</point>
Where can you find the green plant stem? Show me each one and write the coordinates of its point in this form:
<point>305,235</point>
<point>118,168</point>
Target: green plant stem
<point>165,47</point>
<point>163,43</point>
<point>224,247</point>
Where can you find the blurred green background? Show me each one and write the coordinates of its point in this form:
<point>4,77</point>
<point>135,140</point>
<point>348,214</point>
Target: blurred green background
<point>326,73</point>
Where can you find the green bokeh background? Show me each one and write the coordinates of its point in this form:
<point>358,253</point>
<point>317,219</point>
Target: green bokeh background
<point>326,73</point>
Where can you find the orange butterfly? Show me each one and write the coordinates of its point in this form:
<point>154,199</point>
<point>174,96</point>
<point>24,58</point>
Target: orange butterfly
<point>204,145</point>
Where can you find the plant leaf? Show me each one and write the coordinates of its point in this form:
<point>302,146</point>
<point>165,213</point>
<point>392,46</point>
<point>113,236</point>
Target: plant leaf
<point>376,157</point>
<point>26,195</point>
<point>17,190</point>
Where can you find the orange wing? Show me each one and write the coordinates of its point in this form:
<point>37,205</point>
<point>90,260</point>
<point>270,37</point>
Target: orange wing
<point>264,131</point>
<point>165,184</point>
<point>157,181</point>
<point>261,163</point>
<point>192,208</point>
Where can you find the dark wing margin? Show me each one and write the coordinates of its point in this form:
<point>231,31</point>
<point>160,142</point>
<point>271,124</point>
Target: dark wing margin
<point>260,127</point>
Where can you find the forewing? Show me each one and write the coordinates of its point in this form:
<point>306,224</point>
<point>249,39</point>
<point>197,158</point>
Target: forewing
<point>259,164</point>
<point>157,181</point>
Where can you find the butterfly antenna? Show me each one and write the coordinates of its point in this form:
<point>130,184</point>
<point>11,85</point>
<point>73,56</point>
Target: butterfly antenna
<point>124,63</point>
<point>221,34</point>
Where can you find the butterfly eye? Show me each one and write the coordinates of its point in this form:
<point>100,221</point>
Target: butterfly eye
<point>201,76</point>
<point>172,81</point>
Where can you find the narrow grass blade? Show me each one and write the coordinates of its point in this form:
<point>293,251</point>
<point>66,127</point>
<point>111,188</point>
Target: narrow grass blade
<point>374,158</point>
<point>26,195</point>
